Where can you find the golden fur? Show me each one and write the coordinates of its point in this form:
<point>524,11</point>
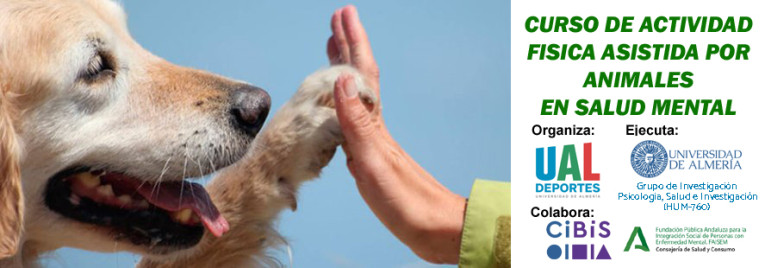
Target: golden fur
<point>11,198</point>
<point>140,115</point>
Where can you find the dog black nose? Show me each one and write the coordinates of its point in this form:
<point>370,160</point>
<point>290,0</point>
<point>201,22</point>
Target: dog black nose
<point>249,106</point>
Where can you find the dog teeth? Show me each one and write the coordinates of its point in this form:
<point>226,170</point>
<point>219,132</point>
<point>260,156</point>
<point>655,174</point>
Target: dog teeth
<point>125,199</point>
<point>74,199</point>
<point>143,203</point>
<point>105,190</point>
<point>182,216</point>
<point>88,179</point>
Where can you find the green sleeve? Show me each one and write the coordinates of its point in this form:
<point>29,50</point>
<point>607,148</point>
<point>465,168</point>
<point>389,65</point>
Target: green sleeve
<point>486,233</point>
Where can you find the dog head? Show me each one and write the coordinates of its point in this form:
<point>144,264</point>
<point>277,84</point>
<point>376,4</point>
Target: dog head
<point>102,133</point>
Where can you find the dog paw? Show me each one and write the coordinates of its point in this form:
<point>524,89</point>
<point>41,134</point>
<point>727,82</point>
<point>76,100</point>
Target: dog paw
<point>318,87</point>
<point>309,119</point>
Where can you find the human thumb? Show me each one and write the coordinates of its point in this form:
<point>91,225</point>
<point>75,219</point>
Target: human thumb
<point>355,120</point>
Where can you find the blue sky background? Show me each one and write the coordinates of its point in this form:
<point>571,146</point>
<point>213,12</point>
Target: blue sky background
<point>445,82</point>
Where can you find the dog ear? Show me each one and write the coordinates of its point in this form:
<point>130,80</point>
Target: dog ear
<point>11,199</point>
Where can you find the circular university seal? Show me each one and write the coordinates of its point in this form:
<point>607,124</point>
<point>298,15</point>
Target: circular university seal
<point>649,159</point>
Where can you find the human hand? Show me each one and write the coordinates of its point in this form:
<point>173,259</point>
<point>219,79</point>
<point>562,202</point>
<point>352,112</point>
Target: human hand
<point>413,205</point>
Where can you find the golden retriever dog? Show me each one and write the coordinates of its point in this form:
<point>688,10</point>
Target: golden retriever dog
<point>97,136</point>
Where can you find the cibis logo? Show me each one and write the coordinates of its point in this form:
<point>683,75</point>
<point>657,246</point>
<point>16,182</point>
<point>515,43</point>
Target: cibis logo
<point>649,159</point>
<point>579,231</point>
<point>582,180</point>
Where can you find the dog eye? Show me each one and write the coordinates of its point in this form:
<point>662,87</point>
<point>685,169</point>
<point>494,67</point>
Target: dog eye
<point>100,67</point>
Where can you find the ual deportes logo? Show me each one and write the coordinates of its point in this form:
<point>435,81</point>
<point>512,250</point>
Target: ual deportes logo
<point>566,177</point>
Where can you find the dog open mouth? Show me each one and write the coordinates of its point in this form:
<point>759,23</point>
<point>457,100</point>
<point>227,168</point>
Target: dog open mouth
<point>170,213</point>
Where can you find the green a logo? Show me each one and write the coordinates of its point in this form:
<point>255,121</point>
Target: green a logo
<point>643,245</point>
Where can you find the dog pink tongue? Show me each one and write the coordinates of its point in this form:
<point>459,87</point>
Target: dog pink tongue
<point>175,196</point>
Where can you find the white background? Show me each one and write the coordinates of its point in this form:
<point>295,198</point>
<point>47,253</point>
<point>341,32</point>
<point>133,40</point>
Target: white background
<point>534,80</point>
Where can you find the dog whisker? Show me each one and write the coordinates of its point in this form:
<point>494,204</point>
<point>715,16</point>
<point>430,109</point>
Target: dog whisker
<point>212,165</point>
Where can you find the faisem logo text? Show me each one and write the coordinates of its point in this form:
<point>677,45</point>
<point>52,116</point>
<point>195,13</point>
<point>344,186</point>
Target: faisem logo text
<point>566,179</point>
